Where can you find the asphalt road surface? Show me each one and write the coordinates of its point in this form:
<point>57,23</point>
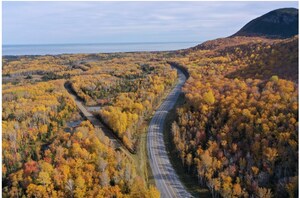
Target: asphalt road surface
<point>165,177</point>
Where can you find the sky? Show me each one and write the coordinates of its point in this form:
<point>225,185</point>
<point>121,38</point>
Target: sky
<point>115,22</point>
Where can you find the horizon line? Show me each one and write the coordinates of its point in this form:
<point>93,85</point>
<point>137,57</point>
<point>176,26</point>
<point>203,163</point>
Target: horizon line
<point>158,42</point>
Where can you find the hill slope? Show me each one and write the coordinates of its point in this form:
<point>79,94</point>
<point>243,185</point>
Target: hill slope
<point>264,60</point>
<point>282,23</point>
<point>238,127</point>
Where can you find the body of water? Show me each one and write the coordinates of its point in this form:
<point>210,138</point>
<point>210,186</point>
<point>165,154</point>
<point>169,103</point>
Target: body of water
<point>54,49</point>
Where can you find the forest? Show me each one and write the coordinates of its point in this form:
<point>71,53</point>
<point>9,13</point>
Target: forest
<point>49,150</point>
<point>238,128</point>
<point>127,92</point>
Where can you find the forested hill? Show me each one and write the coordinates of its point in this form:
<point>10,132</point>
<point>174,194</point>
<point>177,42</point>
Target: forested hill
<point>256,57</point>
<point>280,23</point>
<point>264,47</point>
<point>238,128</point>
<point>264,60</point>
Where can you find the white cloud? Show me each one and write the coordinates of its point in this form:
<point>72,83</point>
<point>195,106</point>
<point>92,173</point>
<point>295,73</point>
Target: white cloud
<point>55,22</point>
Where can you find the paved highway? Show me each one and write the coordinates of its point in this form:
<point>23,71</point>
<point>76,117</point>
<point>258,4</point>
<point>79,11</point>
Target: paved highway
<point>165,177</point>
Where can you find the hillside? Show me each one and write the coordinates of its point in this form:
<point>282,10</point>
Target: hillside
<point>264,60</point>
<point>280,23</point>
<point>238,127</point>
<point>253,57</point>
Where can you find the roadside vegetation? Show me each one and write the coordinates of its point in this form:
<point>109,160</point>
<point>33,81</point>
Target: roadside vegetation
<point>46,155</point>
<point>238,129</point>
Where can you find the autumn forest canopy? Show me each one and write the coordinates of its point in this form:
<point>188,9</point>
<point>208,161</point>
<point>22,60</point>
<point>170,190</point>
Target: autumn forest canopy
<point>236,130</point>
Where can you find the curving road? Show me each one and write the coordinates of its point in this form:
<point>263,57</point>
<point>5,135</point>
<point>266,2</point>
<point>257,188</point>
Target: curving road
<point>164,174</point>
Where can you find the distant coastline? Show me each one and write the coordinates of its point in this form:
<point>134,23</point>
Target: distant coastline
<point>74,48</point>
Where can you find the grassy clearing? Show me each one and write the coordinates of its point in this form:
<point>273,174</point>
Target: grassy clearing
<point>141,158</point>
<point>189,181</point>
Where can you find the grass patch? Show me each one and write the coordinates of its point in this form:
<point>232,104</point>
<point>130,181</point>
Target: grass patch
<point>188,180</point>
<point>141,157</point>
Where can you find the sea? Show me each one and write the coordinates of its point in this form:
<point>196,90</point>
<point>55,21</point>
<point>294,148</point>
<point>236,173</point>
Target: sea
<point>55,49</point>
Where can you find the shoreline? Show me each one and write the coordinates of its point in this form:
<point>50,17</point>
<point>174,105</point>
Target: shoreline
<point>69,49</point>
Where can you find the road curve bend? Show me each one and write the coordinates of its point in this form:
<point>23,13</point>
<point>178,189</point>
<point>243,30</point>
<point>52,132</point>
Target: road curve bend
<point>165,177</point>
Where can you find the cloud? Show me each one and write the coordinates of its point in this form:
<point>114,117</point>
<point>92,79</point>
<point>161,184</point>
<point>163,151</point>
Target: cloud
<point>79,22</point>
